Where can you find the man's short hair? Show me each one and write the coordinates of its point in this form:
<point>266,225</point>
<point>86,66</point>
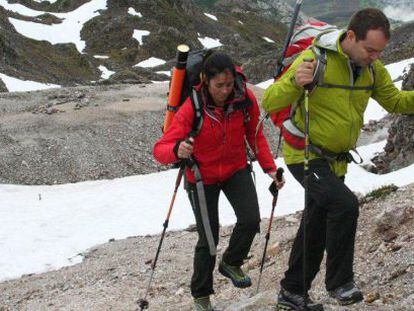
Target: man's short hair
<point>369,19</point>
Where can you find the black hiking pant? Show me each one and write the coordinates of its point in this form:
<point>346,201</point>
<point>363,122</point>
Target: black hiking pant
<point>331,222</point>
<point>241,193</point>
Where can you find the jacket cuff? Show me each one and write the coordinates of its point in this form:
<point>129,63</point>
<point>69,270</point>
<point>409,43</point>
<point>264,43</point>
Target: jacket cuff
<point>268,170</point>
<point>295,84</point>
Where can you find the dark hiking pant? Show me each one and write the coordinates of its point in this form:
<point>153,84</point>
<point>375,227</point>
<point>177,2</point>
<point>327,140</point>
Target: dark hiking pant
<point>331,222</point>
<point>241,193</point>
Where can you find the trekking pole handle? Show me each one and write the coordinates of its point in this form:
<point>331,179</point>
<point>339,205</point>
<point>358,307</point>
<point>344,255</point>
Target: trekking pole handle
<point>279,176</point>
<point>190,161</point>
<point>309,86</point>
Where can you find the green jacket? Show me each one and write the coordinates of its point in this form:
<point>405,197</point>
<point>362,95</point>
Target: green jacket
<point>336,115</point>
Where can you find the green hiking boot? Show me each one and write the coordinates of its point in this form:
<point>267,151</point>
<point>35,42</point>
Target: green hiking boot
<point>202,304</point>
<point>235,274</point>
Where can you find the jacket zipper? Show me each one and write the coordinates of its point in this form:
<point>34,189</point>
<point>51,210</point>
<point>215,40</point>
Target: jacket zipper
<point>351,76</point>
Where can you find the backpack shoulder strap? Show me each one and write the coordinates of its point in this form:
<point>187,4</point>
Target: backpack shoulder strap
<point>320,69</point>
<point>197,102</point>
<point>248,105</point>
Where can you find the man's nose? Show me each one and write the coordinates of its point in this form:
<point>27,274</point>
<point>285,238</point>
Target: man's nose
<point>375,55</point>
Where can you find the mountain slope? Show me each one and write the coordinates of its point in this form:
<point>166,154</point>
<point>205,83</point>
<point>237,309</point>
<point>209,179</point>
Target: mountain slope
<point>39,60</point>
<point>240,26</point>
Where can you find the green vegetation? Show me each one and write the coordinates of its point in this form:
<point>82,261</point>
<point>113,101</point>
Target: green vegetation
<point>381,192</point>
<point>205,3</point>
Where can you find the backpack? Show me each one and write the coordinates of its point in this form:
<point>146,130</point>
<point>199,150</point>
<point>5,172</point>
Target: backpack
<point>191,80</point>
<point>301,40</point>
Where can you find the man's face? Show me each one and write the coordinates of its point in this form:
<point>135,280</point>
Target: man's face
<point>365,52</point>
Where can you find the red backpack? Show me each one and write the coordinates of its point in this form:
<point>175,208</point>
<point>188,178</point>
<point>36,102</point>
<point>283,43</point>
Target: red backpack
<point>301,39</point>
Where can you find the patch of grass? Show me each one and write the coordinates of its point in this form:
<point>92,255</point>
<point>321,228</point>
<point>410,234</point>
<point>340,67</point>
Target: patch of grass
<point>379,193</point>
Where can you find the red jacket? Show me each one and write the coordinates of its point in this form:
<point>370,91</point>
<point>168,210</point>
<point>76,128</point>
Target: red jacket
<point>220,147</point>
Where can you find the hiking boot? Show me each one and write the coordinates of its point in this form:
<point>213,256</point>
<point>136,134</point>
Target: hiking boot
<point>290,301</point>
<point>235,274</point>
<point>347,294</point>
<point>202,304</point>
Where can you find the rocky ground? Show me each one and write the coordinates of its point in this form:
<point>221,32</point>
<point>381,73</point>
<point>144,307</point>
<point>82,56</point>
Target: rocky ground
<point>114,275</point>
<point>84,133</point>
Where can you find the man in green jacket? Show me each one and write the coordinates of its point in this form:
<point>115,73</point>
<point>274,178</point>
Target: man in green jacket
<point>351,76</point>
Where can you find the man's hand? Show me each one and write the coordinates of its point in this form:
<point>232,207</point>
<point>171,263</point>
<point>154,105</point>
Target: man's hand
<point>304,72</point>
<point>185,149</point>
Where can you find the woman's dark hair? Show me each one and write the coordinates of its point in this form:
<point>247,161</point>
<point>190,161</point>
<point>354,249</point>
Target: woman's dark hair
<point>369,19</point>
<point>215,63</point>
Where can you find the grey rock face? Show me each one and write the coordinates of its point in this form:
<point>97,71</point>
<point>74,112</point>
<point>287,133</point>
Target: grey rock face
<point>399,150</point>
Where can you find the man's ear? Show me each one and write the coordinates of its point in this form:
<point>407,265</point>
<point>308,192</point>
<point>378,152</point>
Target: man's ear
<point>351,36</point>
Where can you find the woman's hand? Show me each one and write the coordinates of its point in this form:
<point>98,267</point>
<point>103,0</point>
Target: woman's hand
<point>185,149</point>
<point>279,184</point>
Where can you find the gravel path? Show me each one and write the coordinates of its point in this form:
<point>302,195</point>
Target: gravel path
<point>76,134</point>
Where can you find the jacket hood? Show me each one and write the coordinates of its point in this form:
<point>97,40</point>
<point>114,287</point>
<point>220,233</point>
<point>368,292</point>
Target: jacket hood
<point>329,40</point>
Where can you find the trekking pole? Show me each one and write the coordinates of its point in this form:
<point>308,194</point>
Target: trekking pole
<point>275,192</point>
<point>279,65</point>
<point>306,182</point>
<point>143,303</point>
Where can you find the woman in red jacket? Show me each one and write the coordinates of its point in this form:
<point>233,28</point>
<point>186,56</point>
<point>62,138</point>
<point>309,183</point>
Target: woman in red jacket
<point>231,115</point>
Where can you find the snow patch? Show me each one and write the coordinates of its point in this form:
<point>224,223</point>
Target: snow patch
<point>134,13</point>
<point>210,43</point>
<point>46,227</point>
<point>150,62</point>
<point>398,69</point>
<point>138,34</point>
<point>268,39</point>
<point>105,72</point>
<point>66,32</point>
<point>18,85</point>
<point>211,16</point>
<point>101,56</point>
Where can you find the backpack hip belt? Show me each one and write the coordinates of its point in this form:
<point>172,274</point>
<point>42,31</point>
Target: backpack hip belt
<point>295,137</point>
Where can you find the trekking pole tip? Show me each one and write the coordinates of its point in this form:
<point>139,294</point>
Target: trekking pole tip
<point>143,304</point>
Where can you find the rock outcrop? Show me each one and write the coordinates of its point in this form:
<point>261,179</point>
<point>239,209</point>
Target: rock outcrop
<point>399,150</point>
